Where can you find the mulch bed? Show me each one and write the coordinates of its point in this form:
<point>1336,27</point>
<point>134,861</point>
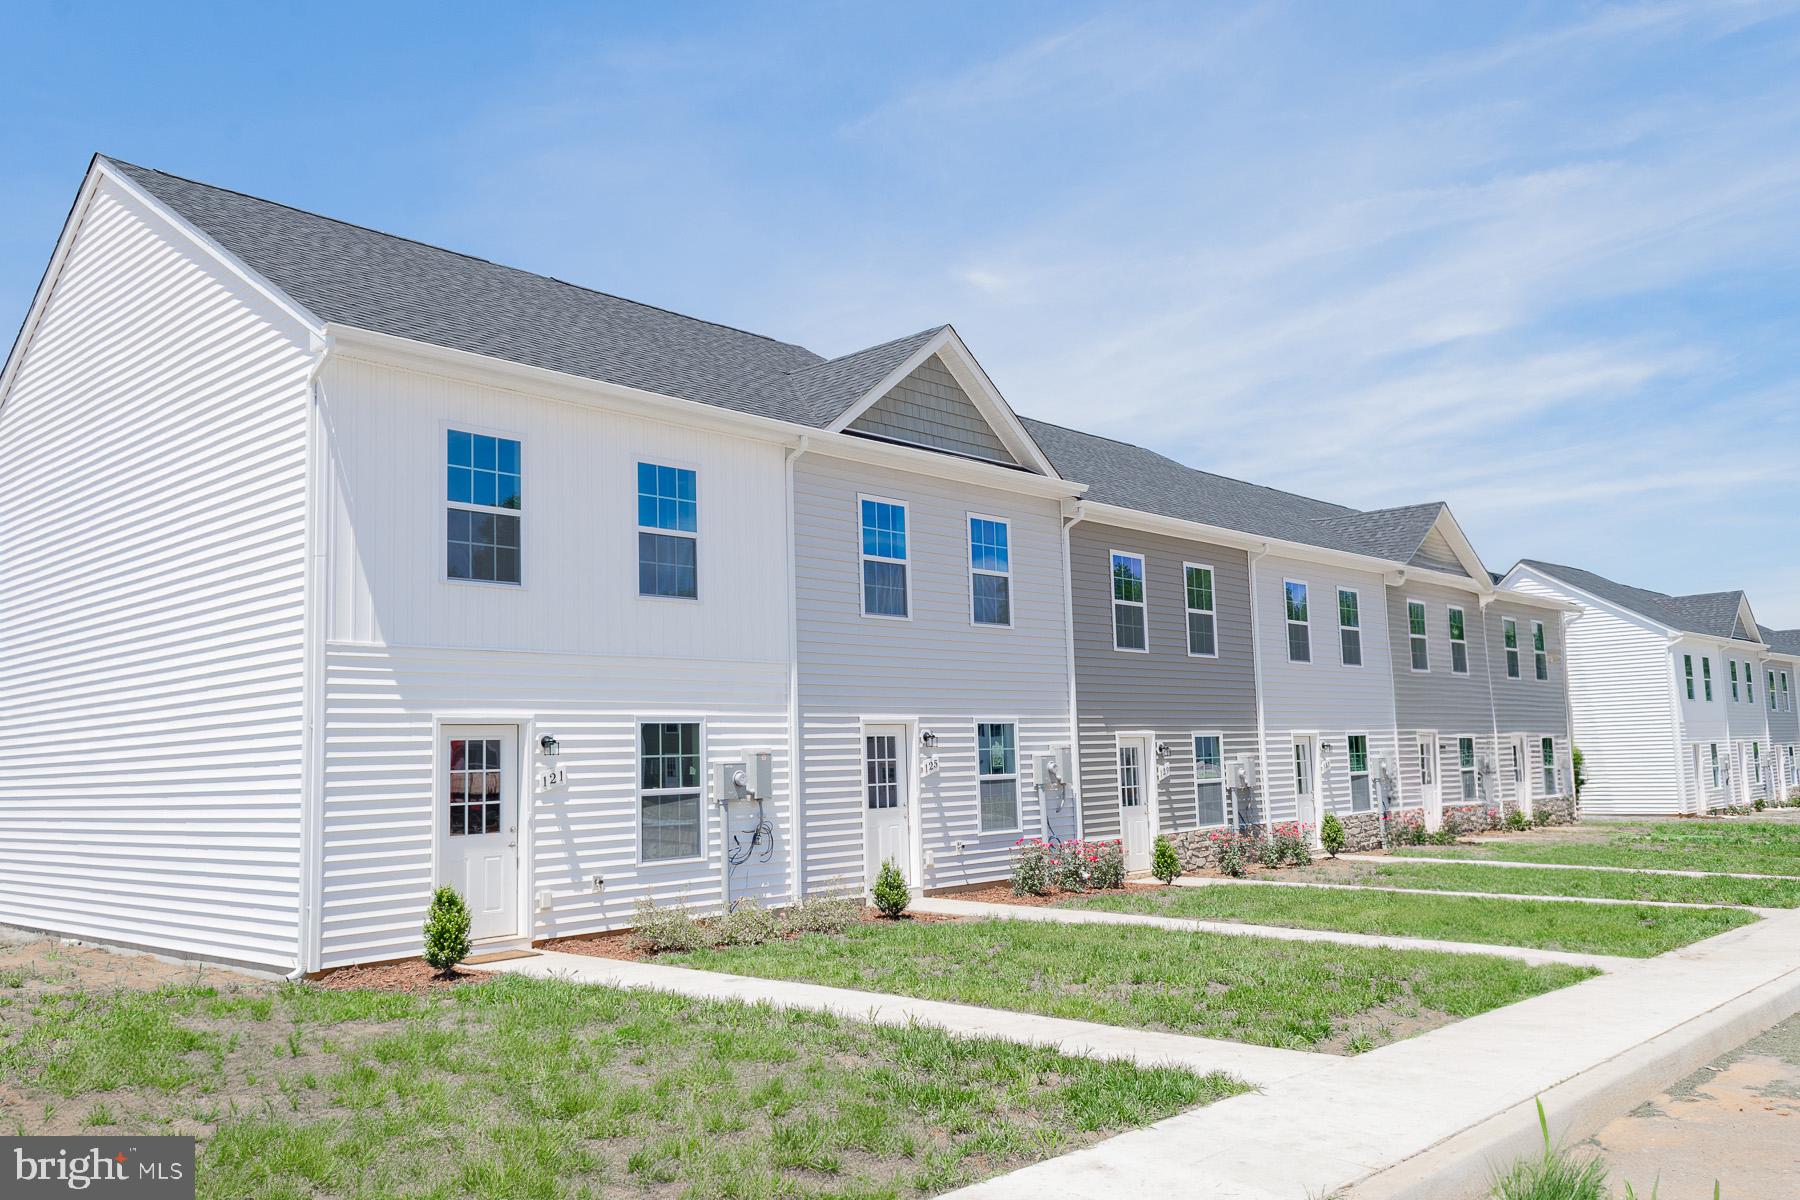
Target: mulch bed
<point>409,975</point>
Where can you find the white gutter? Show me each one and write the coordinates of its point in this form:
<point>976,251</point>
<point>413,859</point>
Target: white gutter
<point>1487,652</point>
<point>796,772</point>
<point>1256,658</point>
<point>1071,785</point>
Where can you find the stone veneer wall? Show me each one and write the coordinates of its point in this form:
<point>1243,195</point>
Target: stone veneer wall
<point>1561,810</point>
<point>1362,831</point>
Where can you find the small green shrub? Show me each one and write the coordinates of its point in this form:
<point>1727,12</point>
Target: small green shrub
<point>658,929</point>
<point>1268,852</point>
<point>747,924</point>
<point>1165,864</point>
<point>890,890</point>
<point>1331,834</point>
<point>446,930</point>
<point>821,914</point>
<point>1759,805</point>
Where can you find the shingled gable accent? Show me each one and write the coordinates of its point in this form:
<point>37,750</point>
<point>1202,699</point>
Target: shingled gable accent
<point>930,408</point>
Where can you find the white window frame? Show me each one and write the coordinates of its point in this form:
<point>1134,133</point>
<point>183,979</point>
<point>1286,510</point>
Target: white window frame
<point>1787,696</point>
<point>1540,659</point>
<point>1749,684</point>
<point>1143,606</point>
<point>445,428</point>
<point>1455,641</point>
<point>1421,639</point>
<point>1774,696</point>
<point>1736,695</point>
<point>1717,781</point>
<point>1755,762</point>
<point>1510,625</point>
<point>1549,773</point>
<point>1014,777</point>
<point>1361,659</point>
<point>1687,671</point>
<point>682,533</point>
<point>1288,622</point>
<point>1367,773</point>
<point>1194,737</point>
<point>1431,763</point>
<point>1469,777</point>
<point>1706,676</point>
<point>862,588</point>
<point>969,520</point>
<point>1212,612</point>
<point>639,791</point>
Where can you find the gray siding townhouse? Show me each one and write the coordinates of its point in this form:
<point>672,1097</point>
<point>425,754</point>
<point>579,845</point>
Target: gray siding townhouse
<point>1528,674</point>
<point>1782,676</point>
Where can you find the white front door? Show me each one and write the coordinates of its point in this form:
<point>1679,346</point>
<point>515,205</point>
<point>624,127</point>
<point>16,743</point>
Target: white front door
<point>1306,784</point>
<point>1428,780</point>
<point>1135,801</point>
<point>887,827</point>
<point>1521,786</point>
<point>478,824</point>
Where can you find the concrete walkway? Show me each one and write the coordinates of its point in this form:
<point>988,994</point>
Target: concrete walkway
<point>1253,1064</point>
<point>1089,916</point>
<point>1536,866</point>
<point>1219,881</point>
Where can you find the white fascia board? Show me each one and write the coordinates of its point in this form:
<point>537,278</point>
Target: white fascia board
<point>1447,524</point>
<point>407,354</point>
<point>1650,624</point>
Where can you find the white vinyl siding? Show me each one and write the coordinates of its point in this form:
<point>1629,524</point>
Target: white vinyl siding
<point>1130,623</point>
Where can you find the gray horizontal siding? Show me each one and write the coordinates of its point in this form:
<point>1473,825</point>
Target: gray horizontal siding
<point>1455,705</point>
<point>1526,704</point>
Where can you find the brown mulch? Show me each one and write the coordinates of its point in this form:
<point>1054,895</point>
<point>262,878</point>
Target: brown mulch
<point>612,944</point>
<point>1002,893</point>
<point>873,916</point>
<point>408,975</point>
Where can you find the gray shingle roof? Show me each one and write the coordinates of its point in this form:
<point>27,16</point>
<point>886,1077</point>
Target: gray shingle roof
<point>1129,476</point>
<point>1786,641</point>
<point>1714,614</point>
<point>348,275</point>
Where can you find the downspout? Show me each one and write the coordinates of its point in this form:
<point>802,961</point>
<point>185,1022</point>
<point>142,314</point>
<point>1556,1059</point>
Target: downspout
<point>1398,580</point>
<point>796,772</point>
<point>1487,655</point>
<point>312,672</point>
<point>1256,671</point>
<point>1569,619</point>
<point>1071,784</point>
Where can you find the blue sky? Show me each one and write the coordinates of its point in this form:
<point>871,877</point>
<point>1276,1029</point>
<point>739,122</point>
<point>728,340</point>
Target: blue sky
<point>1538,260</point>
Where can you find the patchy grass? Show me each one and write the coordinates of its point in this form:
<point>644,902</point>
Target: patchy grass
<point>1756,847</point>
<point>1542,924</point>
<point>542,1088</point>
<point>1527,881</point>
<point>1307,996</point>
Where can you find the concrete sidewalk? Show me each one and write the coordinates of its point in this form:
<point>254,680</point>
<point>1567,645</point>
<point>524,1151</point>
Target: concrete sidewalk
<point>1506,862</point>
<point>1086,916</point>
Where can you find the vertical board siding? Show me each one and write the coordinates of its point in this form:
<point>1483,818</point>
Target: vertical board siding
<point>939,667</point>
<point>1322,697</point>
<point>929,408</point>
<point>1619,680</point>
<point>152,532</point>
<point>1165,691</point>
<point>575,650</point>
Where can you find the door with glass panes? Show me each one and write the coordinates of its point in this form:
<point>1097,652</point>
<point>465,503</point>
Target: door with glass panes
<point>478,824</point>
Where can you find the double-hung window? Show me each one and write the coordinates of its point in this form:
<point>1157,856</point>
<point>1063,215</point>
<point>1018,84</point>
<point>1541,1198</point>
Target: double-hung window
<point>1787,697</point>
<point>1299,632</point>
<point>1361,798</point>
<point>1465,761</point>
<point>1732,663</point>
<point>1459,642</point>
<point>1130,627</point>
<point>990,570</point>
<point>1209,780</point>
<point>1349,628</point>
<point>1687,667</point>
<point>1772,707</point>
<point>997,766</point>
<point>1749,685</point>
<point>669,810</point>
<point>1202,617</point>
<point>1714,747</point>
<point>1548,746</point>
<point>886,588</point>
<point>485,494</point>
<point>668,520</point>
<point>1755,762</point>
<point>1509,632</point>
<point>1415,629</point>
<point>1706,676</point>
<point>1540,657</point>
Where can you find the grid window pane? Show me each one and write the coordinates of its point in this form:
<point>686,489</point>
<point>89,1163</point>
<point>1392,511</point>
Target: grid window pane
<point>881,756</point>
<point>1202,634</point>
<point>1131,792</point>
<point>1510,631</point>
<point>1415,618</point>
<point>883,529</point>
<point>1296,601</point>
<point>988,548</point>
<point>483,470</point>
<point>1128,578</point>
<point>993,600</point>
<point>671,826</point>
<point>481,545</point>
<point>1459,658</point>
<point>1200,588</point>
<point>476,786</point>
<point>666,565</point>
<point>667,498</point>
<point>1456,624</point>
<point>884,588</point>
<point>1349,617</point>
<point>669,778</point>
<point>1350,646</point>
<point>1299,643</point>
<point>1128,627</point>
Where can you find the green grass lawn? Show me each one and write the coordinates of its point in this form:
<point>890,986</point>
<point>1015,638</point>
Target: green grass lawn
<point>1528,881</point>
<point>545,1089</point>
<point>1757,847</point>
<point>1544,924</point>
<point>1305,996</point>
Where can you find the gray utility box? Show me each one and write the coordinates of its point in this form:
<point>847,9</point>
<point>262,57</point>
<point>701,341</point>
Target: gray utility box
<point>752,778</point>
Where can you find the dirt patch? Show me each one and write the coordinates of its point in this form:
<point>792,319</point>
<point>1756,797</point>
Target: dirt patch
<point>618,943</point>
<point>33,963</point>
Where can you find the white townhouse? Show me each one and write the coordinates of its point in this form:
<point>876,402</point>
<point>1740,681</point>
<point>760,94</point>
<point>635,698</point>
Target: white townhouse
<point>338,566</point>
<point>1666,693</point>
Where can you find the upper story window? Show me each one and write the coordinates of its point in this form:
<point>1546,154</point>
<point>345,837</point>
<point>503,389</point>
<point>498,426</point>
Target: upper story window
<point>1732,663</point>
<point>1509,632</point>
<point>1415,629</point>
<point>669,810</point>
<point>1349,627</point>
<point>1772,705</point>
<point>668,509</point>
<point>1203,629</point>
<point>1299,632</point>
<point>886,587</point>
<point>485,495</point>
<point>1361,799</point>
<point>997,765</point>
<point>1540,657</point>
<point>1749,685</point>
<point>1787,697</point>
<point>1706,676</point>
<point>990,570</point>
<point>1459,643</point>
<point>1687,669</point>
<point>1209,780</point>
<point>1130,631</point>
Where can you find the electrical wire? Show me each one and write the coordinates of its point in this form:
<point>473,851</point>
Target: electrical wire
<point>761,834</point>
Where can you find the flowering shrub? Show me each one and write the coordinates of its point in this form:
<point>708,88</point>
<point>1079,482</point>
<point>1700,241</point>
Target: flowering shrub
<point>1291,844</point>
<point>1405,827</point>
<point>1107,866</point>
<point>1233,850</point>
<point>1071,866</point>
<point>1030,867</point>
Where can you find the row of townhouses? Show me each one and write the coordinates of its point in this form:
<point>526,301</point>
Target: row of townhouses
<point>338,566</point>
